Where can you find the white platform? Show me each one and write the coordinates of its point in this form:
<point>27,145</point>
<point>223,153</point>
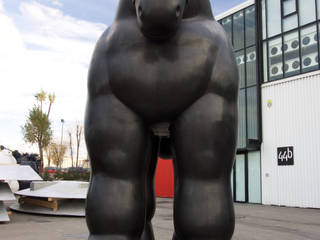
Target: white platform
<point>18,172</point>
<point>71,195</point>
<point>70,208</point>
<point>57,189</point>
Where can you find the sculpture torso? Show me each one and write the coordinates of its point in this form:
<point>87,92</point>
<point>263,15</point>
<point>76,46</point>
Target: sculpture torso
<point>168,77</point>
<point>157,80</point>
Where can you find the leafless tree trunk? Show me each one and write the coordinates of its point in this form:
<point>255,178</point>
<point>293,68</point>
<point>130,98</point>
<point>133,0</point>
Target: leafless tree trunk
<point>78,135</point>
<point>71,147</point>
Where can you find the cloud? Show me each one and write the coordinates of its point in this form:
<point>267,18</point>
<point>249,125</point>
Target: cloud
<point>50,51</point>
<point>57,3</point>
<point>52,22</point>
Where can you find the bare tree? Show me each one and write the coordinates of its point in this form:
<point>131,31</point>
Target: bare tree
<point>78,136</point>
<point>57,152</point>
<point>49,155</point>
<point>71,147</point>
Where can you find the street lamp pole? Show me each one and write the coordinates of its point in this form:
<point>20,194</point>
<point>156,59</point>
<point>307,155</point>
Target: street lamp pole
<point>62,122</point>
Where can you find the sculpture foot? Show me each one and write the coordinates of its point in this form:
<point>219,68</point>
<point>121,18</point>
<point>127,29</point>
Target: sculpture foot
<point>110,237</point>
<point>174,237</point>
<point>148,232</point>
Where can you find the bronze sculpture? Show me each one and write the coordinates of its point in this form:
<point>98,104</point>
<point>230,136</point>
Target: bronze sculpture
<point>161,63</point>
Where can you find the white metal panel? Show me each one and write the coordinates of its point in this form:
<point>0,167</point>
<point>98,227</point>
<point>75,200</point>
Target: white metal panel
<point>291,117</point>
<point>5,192</point>
<point>234,9</point>
<point>18,172</point>
<point>60,189</point>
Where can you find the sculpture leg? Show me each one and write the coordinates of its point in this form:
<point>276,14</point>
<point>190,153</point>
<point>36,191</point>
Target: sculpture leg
<point>150,194</point>
<point>116,140</point>
<point>204,142</point>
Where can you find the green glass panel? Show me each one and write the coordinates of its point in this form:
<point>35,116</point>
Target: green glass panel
<point>251,66</point>
<point>240,178</point>
<point>307,11</point>
<point>250,26</point>
<point>252,111</point>
<point>238,30</point>
<point>242,119</point>
<point>309,48</point>
<point>254,177</point>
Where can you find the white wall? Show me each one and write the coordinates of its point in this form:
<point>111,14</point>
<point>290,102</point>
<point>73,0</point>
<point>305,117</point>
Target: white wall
<point>292,120</point>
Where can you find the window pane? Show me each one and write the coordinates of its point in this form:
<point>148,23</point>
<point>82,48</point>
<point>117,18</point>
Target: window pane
<point>309,48</point>
<point>252,103</point>
<point>290,22</point>
<point>251,66</point>
<point>242,119</point>
<point>238,30</point>
<point>231,179</point>
<point>240,179</point>
<point>274,17</point>
<point>241,67</point>
<point>275,59</point>
<point>318,8</point>
<point>263,11</point>
<point>289,6</point>
<point>307,11</point>
<point>254,177</point>
<point>265,62</point>
<point>227,25</point>
<point>250,26</point>
<point>291,54</point>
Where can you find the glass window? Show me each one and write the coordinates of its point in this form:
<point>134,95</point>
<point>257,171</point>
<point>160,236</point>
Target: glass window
<point>231,179</point>
<point>240,178</point>
<point>265,62</point>
<point>240,58</point>
<point>238,30</point>
<point>291,54</point>
<point>251,66</point>
<point>290,22</point>
<point>242,119</point>
<point>289,6</point>
<point>307,11</point>
<point>252,111</point>
<point>263,11</point>
<point>254,177</point>
<point>227,25</point>
<point>309,48</point>
<point>318,8</point>
<point>250,26</point>
<point>275,59</point>
<point>274,17</point>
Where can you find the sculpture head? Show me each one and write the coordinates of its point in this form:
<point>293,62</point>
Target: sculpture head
<point>159,19</point>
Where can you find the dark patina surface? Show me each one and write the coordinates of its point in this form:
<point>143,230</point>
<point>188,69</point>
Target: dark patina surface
<point>161,63</point>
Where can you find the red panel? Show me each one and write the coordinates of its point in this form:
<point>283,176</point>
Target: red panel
<point>164,178</point>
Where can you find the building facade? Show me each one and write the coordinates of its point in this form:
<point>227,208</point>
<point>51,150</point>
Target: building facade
<point>276,45</point>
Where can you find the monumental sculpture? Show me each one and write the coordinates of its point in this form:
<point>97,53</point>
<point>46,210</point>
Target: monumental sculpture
<point>162,68</point>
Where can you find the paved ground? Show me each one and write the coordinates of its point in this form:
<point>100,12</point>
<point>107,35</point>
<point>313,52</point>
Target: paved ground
<point>253,222</point>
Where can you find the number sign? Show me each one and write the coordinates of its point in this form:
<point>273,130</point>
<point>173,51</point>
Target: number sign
<point>285,156</point>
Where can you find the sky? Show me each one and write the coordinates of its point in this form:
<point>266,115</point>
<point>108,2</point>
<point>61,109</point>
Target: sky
<point>47,45</point>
